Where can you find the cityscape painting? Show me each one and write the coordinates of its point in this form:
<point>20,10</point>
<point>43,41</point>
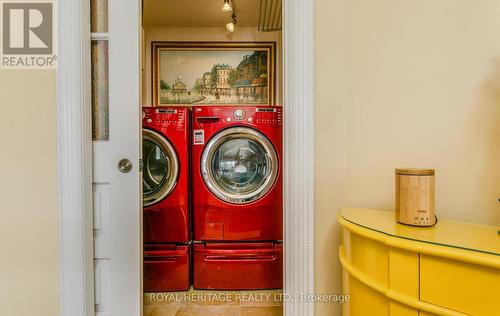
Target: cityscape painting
<point>189,73</point>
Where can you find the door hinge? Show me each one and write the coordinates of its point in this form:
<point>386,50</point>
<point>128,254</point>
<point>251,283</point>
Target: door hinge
<point>141,165</point>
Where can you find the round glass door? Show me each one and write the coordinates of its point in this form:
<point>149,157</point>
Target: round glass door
<point>160,167</point>
<point>239,165</point>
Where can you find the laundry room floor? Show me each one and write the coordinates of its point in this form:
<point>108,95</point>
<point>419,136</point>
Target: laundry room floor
<point>214,303</point>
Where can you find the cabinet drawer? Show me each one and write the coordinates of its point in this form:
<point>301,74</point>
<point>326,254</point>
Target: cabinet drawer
<point>464,287</point>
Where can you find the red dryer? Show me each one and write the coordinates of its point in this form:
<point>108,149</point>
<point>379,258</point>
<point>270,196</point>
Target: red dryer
<point>237,180</point>
<point>165,151</point>
<point>166,198</point>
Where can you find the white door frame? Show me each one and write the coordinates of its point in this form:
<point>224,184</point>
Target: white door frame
<point>74,157</point>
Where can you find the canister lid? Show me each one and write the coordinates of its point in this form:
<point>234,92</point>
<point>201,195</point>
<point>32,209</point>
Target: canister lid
<point>415,172</point>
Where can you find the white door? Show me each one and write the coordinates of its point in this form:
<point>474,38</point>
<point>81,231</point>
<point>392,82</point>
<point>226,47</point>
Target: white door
<point>116,161</point>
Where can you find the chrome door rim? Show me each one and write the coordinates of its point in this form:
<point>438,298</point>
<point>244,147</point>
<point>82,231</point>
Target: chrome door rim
<point>169,151</point>
<point>232,133</point>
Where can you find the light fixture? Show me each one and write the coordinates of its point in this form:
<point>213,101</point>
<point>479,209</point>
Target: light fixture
<point>231,25</point>
<point>227,6</point>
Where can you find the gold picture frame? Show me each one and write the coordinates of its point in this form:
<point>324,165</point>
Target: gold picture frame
<point>213,73</point>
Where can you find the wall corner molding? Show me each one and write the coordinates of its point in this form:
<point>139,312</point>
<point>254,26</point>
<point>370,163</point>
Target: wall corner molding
<point>298,57</point>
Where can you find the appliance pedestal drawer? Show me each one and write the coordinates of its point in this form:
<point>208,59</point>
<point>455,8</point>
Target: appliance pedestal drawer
<point>166,268</point>
<point>238,266</point>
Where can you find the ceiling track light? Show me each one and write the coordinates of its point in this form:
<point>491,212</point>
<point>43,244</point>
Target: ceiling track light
<point>227,6</point>
<point>231,25</point>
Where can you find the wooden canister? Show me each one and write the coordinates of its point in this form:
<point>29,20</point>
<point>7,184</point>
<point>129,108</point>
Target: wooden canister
<point>415,197</point>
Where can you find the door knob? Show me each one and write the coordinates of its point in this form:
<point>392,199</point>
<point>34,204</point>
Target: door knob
<point>125,165</point>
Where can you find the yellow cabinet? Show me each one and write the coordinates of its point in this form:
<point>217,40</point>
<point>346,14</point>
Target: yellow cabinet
<point>452,268</point>
<point>470,288</point>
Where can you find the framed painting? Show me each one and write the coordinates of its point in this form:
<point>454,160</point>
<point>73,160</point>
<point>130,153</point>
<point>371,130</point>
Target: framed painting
<point>213,73</point>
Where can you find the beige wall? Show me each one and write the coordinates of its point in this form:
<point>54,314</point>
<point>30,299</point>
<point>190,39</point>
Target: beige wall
<point>28,225</point>
<point>331,103</point>
<point>218,34</point>
<point>404,83</point>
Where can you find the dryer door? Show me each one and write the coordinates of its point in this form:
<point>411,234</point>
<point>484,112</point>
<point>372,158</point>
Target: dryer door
<point>239,165</point>
<point>161,167</point>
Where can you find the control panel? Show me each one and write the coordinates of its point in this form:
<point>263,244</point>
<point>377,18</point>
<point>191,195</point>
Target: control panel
<point>265,115</point>
<point>165,117</point>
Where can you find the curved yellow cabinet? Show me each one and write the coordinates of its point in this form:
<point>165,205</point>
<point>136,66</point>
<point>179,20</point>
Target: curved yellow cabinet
<point>452,268</point>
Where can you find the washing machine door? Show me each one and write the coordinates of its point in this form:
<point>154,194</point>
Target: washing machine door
<point>161,167</point>
<point>239,165</point>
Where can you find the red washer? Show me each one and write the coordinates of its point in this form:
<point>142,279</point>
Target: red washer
<point>166,174</point>
<point>237,173</point>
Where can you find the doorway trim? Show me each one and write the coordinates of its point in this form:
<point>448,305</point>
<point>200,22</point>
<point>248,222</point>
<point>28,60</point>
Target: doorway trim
<point>74,158</point>
<point>298,90</point>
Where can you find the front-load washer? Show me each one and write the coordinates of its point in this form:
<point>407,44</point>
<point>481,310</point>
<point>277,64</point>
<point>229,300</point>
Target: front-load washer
<point>237,173</point>
<point>166,172</point>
